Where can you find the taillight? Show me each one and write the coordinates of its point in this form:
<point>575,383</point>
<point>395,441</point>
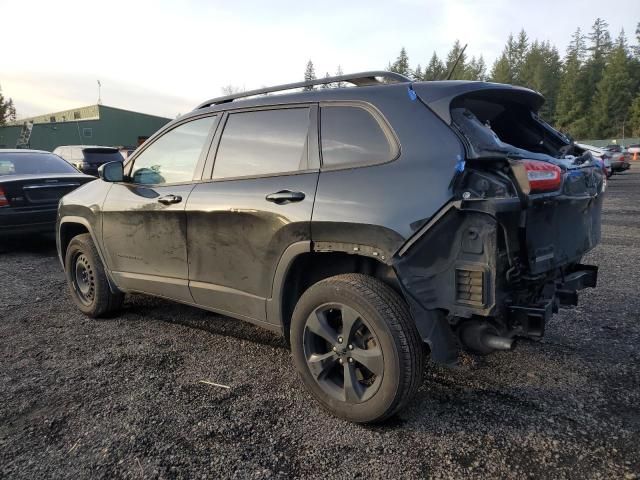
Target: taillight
<point>4,201</point>
<point>543,176</point>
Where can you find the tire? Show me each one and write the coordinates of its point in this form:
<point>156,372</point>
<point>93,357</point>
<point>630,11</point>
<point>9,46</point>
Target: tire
<point>357,318</point>
<point>87,280</point>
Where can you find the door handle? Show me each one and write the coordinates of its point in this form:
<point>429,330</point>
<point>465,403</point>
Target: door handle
<point>170,199</point>
<point>285,196</point>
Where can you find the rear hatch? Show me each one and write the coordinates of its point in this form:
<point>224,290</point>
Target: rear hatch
<point>559,185</point>
<point>97,156</point>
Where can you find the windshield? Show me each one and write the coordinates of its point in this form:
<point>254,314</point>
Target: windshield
<point>30,163</point>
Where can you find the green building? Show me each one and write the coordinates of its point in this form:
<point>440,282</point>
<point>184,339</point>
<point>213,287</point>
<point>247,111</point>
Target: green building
<point>92,125</point>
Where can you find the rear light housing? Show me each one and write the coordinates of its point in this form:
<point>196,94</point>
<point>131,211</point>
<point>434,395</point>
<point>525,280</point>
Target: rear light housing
<point>542,176</point>
<point>4,201</point>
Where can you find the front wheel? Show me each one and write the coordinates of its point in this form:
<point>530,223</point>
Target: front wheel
<point>87,280</point>
<point>356,347</point>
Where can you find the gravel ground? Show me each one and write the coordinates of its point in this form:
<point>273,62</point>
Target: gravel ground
<point>122,397</point>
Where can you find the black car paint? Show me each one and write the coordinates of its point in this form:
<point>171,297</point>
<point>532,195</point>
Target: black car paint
<point>224,247</point>
<point>30,211</point>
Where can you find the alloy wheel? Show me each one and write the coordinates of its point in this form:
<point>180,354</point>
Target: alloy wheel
<point>343,353</point>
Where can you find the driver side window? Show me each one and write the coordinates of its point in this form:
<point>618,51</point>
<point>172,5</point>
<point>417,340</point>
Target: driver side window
<point>173,157</point>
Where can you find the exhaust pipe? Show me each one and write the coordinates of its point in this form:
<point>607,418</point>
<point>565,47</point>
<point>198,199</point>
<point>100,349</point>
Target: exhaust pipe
<point>482,338</point>
<point>496,342</point>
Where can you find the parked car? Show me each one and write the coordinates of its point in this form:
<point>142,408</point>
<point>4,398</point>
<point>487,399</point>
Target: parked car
<point>360,223</point>
<point>31,184</point>
<point>87,158</point>
<point>620,158</point>
<point>617,161</point>
<point>614,148</point>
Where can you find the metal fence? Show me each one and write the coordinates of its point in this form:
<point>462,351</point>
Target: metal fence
<point>610,141</point>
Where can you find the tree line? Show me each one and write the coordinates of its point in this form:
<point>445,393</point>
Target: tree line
<point>593,91</point>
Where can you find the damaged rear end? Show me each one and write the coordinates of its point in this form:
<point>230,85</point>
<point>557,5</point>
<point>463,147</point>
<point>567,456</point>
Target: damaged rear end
<point>506,252</point>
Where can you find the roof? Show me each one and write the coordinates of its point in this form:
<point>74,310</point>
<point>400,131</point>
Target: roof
<point>361,79</point>
<point>80,114</point>
<point>437,94</point>
<point>91,112</point>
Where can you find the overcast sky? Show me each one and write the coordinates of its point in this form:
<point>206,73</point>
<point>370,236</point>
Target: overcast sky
<point>164,58</point>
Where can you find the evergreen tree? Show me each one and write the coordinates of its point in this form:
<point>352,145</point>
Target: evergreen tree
<point>417,74</point>
<point>502,70</point>
<point>541,71</point>
<point>577,48</point>
<point>520,51</point>
<point>435,70</point>
<point>614,92</point>
<point>326,85</point>
<point>571,116</point>
<point>339,73</point>
<point>7,110</point>
<point>401,65</point>
<point>634,116</point>
<point>507,68</point>
<point>309,74</point>
<point>455,52</point>
<point>475,69</point>
<point>599,48</point>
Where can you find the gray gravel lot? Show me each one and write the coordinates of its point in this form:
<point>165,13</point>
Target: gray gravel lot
<point>122,397</point>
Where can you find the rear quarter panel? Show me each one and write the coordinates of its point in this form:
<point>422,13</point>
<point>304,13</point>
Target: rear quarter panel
<point>382,205</point>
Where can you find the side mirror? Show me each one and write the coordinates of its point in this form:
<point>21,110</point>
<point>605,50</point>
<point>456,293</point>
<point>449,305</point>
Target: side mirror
<point>111,172</point>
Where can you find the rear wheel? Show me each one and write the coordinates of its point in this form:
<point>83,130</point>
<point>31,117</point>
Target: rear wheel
<point>87,280</point>
<point>356,347</point>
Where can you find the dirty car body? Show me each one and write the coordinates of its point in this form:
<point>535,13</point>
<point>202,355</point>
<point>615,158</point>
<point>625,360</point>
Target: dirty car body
<point>466,205</point>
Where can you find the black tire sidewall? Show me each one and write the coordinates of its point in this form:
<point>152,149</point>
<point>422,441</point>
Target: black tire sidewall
<point>83,244</point>
<point>384,398</point>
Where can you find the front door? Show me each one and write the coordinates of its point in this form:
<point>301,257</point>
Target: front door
<point>258,202</point>
<point>144,222</point>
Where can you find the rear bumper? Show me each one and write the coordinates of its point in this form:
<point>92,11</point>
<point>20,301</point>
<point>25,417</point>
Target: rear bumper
<point>500,263</point>
<point>530,320</point>
<point>23,221</point>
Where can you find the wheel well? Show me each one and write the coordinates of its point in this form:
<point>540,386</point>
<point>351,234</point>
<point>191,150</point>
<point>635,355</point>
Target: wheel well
<point>309,268</point>
<point>69,230</point>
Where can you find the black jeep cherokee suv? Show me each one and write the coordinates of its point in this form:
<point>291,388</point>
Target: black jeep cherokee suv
<point>361,223</point>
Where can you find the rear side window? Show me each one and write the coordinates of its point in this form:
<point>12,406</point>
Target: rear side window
<point>173,157</point>
<point>263,142</point>
<point>350,135</point>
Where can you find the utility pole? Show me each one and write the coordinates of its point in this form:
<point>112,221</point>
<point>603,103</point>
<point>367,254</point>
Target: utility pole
<point>99,96</point>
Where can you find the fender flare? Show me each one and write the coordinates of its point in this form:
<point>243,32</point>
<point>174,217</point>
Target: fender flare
<point>85,223</point>
<point>275,301</point>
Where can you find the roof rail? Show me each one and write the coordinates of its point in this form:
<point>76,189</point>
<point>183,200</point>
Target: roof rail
<point>358,79</point>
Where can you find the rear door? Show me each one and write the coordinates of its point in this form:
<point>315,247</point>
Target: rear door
<point>258,202</point>
<point>144,224</point>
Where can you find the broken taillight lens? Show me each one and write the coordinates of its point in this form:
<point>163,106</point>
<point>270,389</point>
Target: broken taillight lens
<point>4,201</point>
<point>542,176</point>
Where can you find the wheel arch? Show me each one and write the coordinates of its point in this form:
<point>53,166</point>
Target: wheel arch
<point>72,226</point>
<point>301,266</point>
